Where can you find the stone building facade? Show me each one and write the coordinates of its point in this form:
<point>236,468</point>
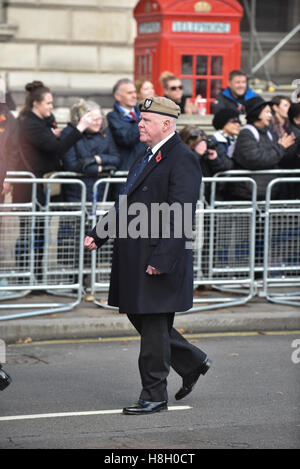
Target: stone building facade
<point>80,48</point>
<point>74,46</point>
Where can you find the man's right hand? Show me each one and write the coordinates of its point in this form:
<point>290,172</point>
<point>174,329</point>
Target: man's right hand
<point>89,243</point>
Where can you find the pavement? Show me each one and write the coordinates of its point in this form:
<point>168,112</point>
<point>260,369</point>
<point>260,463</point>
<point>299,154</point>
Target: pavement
<point>88,320</point>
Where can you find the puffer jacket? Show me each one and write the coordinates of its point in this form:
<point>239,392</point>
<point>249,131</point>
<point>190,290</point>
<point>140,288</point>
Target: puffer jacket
<point>251,153</point>
<point>225,100</point>
<point>80,158</point>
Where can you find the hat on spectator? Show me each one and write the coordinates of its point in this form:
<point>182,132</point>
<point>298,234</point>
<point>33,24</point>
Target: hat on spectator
<point>223,116</point>
<point>253,108</point>
<point>160,105</point>
<point>294,111</point>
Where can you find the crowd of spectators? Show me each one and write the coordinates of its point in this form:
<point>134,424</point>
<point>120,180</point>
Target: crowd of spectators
<point>93,144</point>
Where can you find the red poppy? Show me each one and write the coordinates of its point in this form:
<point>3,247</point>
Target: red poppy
<point>158,157</point>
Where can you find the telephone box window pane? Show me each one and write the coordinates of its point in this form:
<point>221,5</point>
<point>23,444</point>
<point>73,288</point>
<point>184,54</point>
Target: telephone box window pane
<point>201,65</point>
<point>187,87</point>
<point>149,64</point>
<point>139,65</point>
<point>215,88</point>
<point>144,71</point>
<point>201,88</point>
<point>187,65</point>
<point>216,65</point>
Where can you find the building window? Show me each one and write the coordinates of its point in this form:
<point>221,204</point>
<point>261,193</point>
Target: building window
<point>202,74</point>
<point>144,66</point>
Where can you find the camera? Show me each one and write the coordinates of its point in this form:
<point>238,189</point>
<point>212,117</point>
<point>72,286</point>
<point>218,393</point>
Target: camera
<point>211,143</point>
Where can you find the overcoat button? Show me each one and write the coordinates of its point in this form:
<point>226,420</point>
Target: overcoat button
<point>145,188</point>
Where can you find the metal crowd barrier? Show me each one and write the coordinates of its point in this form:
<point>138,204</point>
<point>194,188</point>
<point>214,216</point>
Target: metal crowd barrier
<point>224,247</point>
<point>9,225</point>
<point>259,262</point>
<point>223,251</point>
<point>101,258</point>
<point>282,247</point>
<point>37,259</point>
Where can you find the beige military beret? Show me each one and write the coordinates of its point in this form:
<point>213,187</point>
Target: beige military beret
<point>160,105</point>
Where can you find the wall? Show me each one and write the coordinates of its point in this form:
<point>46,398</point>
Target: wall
<point>68,44</point>
<point>81,48</point>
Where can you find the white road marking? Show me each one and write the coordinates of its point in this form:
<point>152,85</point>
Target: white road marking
<point>75,414</point>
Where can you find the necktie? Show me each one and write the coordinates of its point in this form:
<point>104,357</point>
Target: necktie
<point>133,115</point>
<point>137,171</point>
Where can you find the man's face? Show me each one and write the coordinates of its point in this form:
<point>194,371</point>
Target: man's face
<point>126,96</point>
<point>174,90</point>
<point>151,127</point>
<point>238,85</point>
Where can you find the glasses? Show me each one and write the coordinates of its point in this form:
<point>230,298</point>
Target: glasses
<point>197,133</point>
<point>174,88</point>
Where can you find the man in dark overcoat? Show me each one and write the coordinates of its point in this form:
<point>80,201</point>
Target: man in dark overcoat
<point>152,265</point>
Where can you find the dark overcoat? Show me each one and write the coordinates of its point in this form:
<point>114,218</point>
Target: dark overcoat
<point>173,175</point>
<point>40,151</point>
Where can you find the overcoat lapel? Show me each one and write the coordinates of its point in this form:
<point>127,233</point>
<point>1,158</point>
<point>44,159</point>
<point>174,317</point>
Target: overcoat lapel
<point>155,161</point>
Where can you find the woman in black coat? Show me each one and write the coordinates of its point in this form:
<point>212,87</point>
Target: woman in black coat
<point>40,149</point>
<point>93,155</point>
<point>40,146</point>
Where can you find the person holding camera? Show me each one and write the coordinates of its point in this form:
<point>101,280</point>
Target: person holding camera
<point>211,156</point>
<point>93,155</point>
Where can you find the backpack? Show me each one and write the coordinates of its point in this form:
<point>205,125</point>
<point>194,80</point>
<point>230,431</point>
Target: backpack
<point>255,134</point>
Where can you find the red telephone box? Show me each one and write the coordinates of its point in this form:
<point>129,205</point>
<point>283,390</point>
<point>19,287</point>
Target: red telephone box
<point>198,41</point>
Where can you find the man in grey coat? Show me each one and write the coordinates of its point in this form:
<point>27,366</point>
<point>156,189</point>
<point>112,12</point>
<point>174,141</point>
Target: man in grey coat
<point>152,265</point>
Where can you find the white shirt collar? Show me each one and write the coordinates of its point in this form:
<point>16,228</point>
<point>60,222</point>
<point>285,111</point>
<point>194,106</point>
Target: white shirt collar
<point>127,111</point>
<point>160,144</point>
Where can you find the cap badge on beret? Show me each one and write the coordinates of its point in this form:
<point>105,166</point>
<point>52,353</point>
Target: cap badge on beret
<point>147,103</point>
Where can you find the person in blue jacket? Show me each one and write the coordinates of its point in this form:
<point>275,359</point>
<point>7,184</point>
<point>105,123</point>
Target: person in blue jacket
<point>235,95</point>
<point>123,122</point>
<point>93,155</point>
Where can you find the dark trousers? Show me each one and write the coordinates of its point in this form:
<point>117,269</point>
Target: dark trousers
<point>162,347</point>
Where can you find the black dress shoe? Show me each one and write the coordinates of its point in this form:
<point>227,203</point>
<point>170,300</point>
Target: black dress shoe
<point>189,381</point>
<point>5,379</point>
<point>145,407</point>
